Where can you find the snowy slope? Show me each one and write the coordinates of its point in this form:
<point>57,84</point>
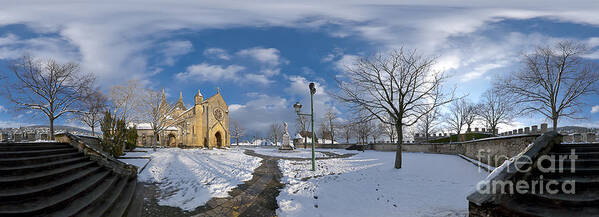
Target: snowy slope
<point>188,178</point>
<point>368,185</point>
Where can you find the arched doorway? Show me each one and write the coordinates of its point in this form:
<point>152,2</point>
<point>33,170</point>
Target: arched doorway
<point>172,140</point>
<point>219,139</point>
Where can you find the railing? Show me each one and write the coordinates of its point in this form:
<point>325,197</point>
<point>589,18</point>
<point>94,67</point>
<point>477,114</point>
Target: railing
<point>90,146</point>
<point>541,146</point>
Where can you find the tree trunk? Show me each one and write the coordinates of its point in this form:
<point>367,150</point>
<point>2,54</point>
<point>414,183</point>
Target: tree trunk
<point>93,133</point>
<point>555,123</point>
<point>399,144</point>
<point>51,129</point>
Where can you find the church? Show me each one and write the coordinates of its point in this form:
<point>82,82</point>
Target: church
<point>204,124</point>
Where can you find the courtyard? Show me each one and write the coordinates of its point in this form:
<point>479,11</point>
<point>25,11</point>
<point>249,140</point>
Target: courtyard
<point>187,182</point>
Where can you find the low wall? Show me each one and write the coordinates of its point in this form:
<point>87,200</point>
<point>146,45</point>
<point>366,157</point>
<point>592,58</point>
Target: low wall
<point>492,151</point>
<point>340,146</point>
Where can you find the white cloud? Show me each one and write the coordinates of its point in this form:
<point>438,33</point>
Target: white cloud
<point>257,78</point>
<point>206,72</point>
<point>111,38</point>
<point>595,109</point>
<point>261,111</point>
<point>174,49</point>
<point>3,109</point>
<point>479,71</point>
<point>217,53</point>
<point>12,124</point>
<point>12,47</point>
<point>270,56</point>
<point>346,60</point>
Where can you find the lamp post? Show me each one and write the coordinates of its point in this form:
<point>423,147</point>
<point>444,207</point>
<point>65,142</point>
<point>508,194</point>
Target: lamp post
<point>297,106</point>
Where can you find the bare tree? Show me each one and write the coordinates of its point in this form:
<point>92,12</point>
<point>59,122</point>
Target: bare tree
<point>301,127</point>
<point>428,123</point>
<point>469,114</point>
<point>363,131</point>
<point>456,118</point>
<point>330,118</point>
<point>47,86</point>
<point>552,81</point>
<point>388,130</point>
<point>346,131</point>
<point>158,112</point>
<point>375,131</point>
<point>237,130</point>
<point>397,89</point>
<point>323,130</point>
<point>94,106</point>
<point>127,101</point>
<point>495,109</point>
<point>275,131</point>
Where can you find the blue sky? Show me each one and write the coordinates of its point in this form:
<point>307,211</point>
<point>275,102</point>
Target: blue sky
<point>262,55</point>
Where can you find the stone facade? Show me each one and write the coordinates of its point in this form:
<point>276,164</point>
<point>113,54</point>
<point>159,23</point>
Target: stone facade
<point>204,124</point>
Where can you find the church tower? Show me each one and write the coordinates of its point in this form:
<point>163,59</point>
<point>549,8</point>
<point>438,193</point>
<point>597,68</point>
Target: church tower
<point>198,99</point>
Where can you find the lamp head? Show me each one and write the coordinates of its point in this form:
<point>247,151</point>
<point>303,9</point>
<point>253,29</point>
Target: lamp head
<point>312,88</point>
<point>297,106</point>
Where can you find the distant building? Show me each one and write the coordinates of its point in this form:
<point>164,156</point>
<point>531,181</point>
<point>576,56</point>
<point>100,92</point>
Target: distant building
<point>205,124</point>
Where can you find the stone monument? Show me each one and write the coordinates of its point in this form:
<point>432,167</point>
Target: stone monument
<point>286,145</point>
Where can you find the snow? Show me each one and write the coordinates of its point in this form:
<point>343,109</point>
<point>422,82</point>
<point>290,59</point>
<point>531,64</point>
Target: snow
<point>136,154</point>
<point>368,185</point>
<point>257,142</point>
<point>188,178</point>
<point>296,153</point>
<point>148,126</point>
<point>478,163</point>
<point>139,163</point>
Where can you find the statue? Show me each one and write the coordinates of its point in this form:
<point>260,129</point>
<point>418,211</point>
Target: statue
<point>286,144</point>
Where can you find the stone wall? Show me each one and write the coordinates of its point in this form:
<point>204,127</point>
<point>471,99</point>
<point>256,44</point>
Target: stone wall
<point>492,151</point>
<point>337,146</point>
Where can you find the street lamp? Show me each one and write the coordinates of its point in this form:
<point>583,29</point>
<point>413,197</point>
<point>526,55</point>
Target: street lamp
<point>298,107</point>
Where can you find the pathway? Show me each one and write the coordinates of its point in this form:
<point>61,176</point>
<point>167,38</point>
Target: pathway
<point>256,197</point>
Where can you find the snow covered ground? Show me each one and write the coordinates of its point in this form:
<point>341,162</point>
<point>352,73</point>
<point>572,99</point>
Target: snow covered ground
<point>188,178</point>
<point>297,153</point>
<point>368,185</point>
<point>138,153</point>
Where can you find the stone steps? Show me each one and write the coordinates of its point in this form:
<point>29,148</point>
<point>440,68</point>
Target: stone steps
<point>581,155</point>
<point>15,170</point>
<point>53,172</point>
<point>578,148</point>
<point>54,179</point>
<point>37,159</point>
<point>105,203</point>
<point>37,205</point>
<point>121,204</point>
<point>84,200</point>
<point>31,147</point>
<point>523,207</point>
<point>22,192</point>
<point>33,153</point>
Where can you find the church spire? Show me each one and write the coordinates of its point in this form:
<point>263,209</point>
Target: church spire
<point>180,103</point>
<point>163,101</point>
